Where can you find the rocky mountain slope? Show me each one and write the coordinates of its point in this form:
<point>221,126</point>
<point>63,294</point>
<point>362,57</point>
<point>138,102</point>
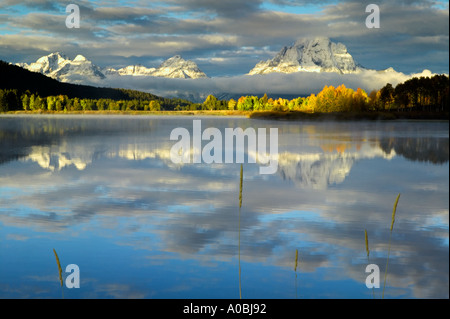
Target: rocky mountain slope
<point>310,55</point>
<point>174,67</point>
<point>79,70</point>
<point>61,68</point>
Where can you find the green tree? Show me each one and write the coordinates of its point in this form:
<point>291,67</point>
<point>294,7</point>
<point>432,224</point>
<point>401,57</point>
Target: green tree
<point>232,104</point>
<point>51,103</point>
<point>3,101</point>
<point>101,104</point>
<point>211,102</point>
<point>38,103</point>
<point>68,105</point>
<point>32,102</point>
<point>76,104</point>
<point>154,106</point>
<point>83,103</point>
<point>264,100</point>
<point>25,102</point>
<point>58,105</point>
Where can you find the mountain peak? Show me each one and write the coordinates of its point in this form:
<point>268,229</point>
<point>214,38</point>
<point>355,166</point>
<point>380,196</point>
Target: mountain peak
<point>53,55</point>
<point>303,41</point>
<point>176,59</point>
<point>177,67</point>
<point>52,59</point>
<point>318,54</point>
<point>174,67</point>
<point>79,58</point>
<point>58,66</point>
<point>135,70</point>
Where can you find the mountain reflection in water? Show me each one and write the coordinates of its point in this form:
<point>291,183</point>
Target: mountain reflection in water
<point>104,193</point>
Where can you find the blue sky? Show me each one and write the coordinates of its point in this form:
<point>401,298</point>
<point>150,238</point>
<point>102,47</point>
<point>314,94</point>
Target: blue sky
<point>226,38</point>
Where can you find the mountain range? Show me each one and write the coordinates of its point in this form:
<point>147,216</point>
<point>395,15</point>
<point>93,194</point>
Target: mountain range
<point>307,55</point>
<point>318,54</point>
<point>58,66</point>
<point>174,67</point>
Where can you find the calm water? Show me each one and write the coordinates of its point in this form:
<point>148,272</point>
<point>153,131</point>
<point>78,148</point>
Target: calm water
<point>103,192</point>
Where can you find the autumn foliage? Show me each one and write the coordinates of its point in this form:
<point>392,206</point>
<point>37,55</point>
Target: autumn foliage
<point>416,94</point>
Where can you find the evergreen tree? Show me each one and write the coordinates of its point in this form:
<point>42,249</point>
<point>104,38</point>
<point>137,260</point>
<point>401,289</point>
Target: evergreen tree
<point>387,96</point>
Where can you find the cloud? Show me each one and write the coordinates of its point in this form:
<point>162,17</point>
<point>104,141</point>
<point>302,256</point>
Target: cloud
<point>247,31</point>
<point>294,84</point>
<point>228,8</point>
<point>35,4</point>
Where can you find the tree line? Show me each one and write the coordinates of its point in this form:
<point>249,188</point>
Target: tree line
<point>24,90</point>
<point>13,100</point>
<point>415,94</point>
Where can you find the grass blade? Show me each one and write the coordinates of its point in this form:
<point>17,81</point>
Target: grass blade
<point>240,186</point>
<point>60,272</point>
<point>368,253</point>
<point>367,243</point>
<point>390,237</point>
<point>295,270</point>
<point>59,267</point>
<point>393,211</point>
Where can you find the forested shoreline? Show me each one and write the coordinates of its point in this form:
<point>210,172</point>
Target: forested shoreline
<point>417,95</point>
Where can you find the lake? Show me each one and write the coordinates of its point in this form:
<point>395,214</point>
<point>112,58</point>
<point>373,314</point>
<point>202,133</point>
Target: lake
<point>103,192</point>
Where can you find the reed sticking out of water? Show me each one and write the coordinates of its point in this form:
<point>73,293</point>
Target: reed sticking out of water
<point>59,267</point>
<point>368,253</point>
<point>390,237</point>
<point>393,211</point>
<point>239,231</point>
<point>295,270</point>
<point>240,186</point>
<point>59,271</point>
<point>367,244</point>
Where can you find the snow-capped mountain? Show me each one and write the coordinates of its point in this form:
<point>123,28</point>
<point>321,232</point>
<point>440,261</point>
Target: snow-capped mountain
<point>177,67</point>
<point>310,55</point>
<point>174,67</point>
<point>81,70</point>
<point>47,64</point>
<point>135,70</point>
<point>61,68</point>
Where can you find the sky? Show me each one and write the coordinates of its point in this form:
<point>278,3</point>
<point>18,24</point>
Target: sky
<point>226,38</point>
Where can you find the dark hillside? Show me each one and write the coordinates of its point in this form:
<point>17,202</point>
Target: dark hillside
<point>16,78</point>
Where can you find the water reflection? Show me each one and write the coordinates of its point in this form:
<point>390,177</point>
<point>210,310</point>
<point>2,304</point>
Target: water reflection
<point>104,191</point>
<point>423,149</point>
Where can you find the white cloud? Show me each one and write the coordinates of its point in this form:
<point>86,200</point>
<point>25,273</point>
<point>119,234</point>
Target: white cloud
<point>298,84</point>
<point>203,29</point>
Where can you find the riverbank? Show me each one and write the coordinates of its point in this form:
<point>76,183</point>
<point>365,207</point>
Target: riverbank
<point>349,116</point>
<point>174,113</point>
<point>165,113</point>
<point>265,115</point>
